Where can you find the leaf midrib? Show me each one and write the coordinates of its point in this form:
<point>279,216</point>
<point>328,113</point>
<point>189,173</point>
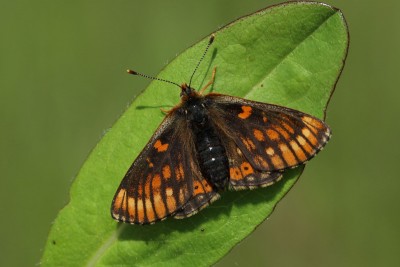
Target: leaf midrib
<point>107,244</point>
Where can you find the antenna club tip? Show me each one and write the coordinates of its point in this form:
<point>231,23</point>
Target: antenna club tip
<point>212,37</point>
<point>131,72</point>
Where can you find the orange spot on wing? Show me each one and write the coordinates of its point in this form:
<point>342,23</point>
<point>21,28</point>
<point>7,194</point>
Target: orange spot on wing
<point>198,189</point>
<point>251,143</point>
<point>151,165</point>
<point>288,155</point>
<point>235,173</point>
<point>310,136</point>
<point>118,200</point>
<point>306,146</point>
<point>306,132</point>
<point>147,202</point>
<point>179,172</point>
<point>288,127</point>
<point>246,168</point>
<point>156,183</point>
<point>160,146</point>
<point>140,210</point>
<point>182,195</point>
<point>298,151</point>
<point>206,186</point>
<point>246,112</point>
<point>147,187</point>
<point>169,191</point>
<point>273,135</point>
<point>248,143</point>
<point>159,205</point>
<point>140,189</point>
<point>308,119</point>
<point>261,161</point>
<point>313,122</point>
<point>283,132</point>
<point>149,210</point>
<point>270,151</point>
<point>131,208</point>
<point>201,187</point>
<point>277,162</point>
<point>258,135</point>
<point>166,171</point>
<point>171,203</point>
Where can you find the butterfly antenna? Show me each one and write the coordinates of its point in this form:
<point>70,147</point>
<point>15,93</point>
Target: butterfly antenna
<point>201,59</point>
<point>150,77</point>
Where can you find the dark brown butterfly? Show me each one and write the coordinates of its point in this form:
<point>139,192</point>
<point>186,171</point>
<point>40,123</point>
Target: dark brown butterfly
<point>209,143</point>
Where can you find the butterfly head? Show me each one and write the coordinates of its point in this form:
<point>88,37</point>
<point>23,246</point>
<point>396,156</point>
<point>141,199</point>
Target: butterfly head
<point>187,92</point>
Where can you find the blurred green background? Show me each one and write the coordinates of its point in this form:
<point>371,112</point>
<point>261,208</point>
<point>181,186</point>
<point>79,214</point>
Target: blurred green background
<point>63,83</point>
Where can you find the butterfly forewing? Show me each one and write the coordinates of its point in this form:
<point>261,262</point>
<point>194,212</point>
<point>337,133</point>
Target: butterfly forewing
<point>159,181</point>
<point>271,137</point>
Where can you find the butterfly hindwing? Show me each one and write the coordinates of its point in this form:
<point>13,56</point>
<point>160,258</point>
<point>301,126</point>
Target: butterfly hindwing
<point>159,182</point>
<point>242,174</point>
<point>271,137</point>
<point>203,195</point>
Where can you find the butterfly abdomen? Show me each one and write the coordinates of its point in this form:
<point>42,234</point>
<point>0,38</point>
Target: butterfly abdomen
<point>211,154</point>
<point>212,157</point>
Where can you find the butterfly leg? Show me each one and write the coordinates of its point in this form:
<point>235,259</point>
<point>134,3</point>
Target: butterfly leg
<point>201,91</point>
<point>165,111</point>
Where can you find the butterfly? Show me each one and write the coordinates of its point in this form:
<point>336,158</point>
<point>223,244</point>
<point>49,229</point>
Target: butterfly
<point>210,143</point>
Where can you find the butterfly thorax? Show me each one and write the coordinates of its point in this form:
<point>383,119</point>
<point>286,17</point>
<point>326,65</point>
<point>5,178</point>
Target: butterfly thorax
<point>211,154</point>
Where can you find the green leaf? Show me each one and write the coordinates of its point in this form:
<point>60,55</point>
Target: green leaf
<point>291,54</point>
